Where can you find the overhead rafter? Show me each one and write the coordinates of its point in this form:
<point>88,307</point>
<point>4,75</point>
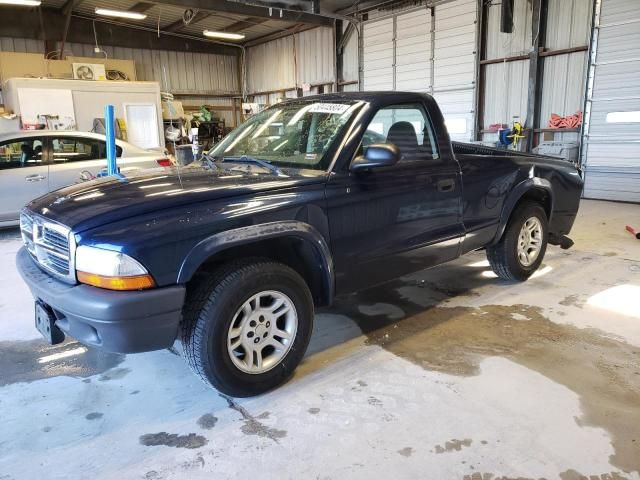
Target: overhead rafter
<point>244,24</point>
<point>283,33</point>
<point>141,7</point>
<point>238,8</point>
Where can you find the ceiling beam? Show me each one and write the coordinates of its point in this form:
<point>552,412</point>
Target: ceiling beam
<point>141,7</point>
<point>239,8</point>
<point>283,33</point>
<point>69,5</point>
<point>244,24</point>
<point>25,24</point>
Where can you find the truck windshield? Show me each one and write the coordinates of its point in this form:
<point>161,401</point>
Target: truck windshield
<point>297,134</point>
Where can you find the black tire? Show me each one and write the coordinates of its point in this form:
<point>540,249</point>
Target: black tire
<point>209,310</point>
<point>503,257</point>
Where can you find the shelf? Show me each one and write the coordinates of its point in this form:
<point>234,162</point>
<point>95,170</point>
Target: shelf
<point>556,130</point>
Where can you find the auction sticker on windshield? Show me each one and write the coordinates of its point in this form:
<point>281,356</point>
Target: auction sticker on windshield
<point>328,108</point>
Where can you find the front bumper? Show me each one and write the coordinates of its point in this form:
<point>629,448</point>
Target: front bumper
<point>122,322</point>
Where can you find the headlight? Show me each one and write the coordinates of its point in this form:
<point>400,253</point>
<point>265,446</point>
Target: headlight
<point>109,269</point>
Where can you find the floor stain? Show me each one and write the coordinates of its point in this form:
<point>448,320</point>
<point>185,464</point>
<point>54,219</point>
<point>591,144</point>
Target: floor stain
<point>22,361</point>
<point>452,445</point>
<point>115,374</point>
<point>207,421</point>
<point>575,475</point>
<point>173,440</point>
<point>252,426</point>
<point>94,415</point>
<point>454,340</point>
<point>376,402</point>
<point>406,451</point>
<point>361,383</point>
<point>491,476</point>
<point>572,301</point>
<point>314,410</point>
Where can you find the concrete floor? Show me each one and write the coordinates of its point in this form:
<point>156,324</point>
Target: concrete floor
<point>447,374</point>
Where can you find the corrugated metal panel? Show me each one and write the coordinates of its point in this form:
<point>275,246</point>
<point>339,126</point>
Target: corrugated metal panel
<point>185,72</point>
<point>350,60</point>
<point>563,82</point>
<point>21,45</point>
<point>378,55</point>
<point>413,51</point>
<point>500,44</point>
<point>454,63</point>
<point>568,23</point>
<point>505,87</point>
<point>315,56</point>
<point>612,163</point>
<point>270,66</point>
<point>307,57</point>
<point>563,85</point>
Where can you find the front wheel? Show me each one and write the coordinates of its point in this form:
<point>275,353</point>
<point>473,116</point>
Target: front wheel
<point>521,249</point>
<point>246,327</point>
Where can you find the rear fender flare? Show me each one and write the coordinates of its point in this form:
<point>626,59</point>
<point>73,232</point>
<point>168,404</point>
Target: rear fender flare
<point>533,183</point>
<point>219,242</point>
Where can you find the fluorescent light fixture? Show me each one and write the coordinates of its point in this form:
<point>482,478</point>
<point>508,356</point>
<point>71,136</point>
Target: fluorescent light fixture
<point>22,3</point>
<point>107,12</point>
<point>225,35</point>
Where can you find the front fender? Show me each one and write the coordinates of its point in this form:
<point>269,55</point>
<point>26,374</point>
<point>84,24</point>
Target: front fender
<point>514,197</point>
<point>214,244</point>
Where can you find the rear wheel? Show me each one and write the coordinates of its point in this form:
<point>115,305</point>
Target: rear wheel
<point>521,249</point>
<point>246,327</point>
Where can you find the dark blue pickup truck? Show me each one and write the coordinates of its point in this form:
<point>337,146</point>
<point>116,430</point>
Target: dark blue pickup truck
<point>308,199</point>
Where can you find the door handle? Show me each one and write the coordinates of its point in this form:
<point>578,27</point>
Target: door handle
<point>34,178</point>
<point>446,185</point>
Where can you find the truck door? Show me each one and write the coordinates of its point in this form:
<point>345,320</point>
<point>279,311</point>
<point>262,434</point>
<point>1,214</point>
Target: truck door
<point>392,221</point>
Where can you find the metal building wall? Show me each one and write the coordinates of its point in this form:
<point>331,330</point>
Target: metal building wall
<point>283,64</point>
<point>351,62</point>
<point>505,83</point>
<point>21,45</point>
<point>563,81</point>
<point>179,72</point>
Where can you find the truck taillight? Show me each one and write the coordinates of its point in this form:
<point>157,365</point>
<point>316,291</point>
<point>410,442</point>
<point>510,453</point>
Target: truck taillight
<point>164,162</point>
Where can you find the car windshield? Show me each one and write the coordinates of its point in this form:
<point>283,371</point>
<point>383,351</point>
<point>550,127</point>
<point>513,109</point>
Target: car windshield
<point>295,134</point>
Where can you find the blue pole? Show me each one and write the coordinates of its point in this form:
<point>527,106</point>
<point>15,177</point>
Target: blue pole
<point>109,120</point>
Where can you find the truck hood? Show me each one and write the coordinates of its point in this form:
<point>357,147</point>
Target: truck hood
<point>90,204</point>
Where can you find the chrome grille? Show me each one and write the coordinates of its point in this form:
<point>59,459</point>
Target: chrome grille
<point>50,244</point>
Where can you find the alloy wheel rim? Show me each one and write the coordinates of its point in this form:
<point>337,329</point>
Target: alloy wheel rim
<point>262,332</point>
<point>529,241</point>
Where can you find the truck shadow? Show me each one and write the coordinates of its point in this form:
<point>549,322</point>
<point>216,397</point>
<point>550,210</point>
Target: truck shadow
<point>393,303</point>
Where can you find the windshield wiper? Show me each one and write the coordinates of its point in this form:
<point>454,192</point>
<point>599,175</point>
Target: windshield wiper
<point>257,161</point>
<point>210,161</point>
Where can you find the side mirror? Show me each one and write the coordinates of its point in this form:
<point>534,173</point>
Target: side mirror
<point>376,156</point>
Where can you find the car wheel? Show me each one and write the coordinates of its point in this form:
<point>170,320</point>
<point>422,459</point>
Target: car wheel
<point>521,249</point>
<point>246,327</point>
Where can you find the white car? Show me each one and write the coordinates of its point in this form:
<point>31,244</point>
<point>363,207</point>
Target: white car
<point>33,163</point>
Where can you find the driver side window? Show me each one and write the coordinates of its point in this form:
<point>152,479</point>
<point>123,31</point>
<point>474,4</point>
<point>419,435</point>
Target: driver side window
<point>408,128</point>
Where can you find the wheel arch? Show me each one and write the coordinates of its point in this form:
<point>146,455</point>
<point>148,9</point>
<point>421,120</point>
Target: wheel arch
<point>534,189</point>
<point>293,243</point>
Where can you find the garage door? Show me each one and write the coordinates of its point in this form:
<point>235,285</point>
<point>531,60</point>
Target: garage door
<point>455,65</point>
<point>378,55</point>
<point>417,52</point>
<point>612,141</point>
